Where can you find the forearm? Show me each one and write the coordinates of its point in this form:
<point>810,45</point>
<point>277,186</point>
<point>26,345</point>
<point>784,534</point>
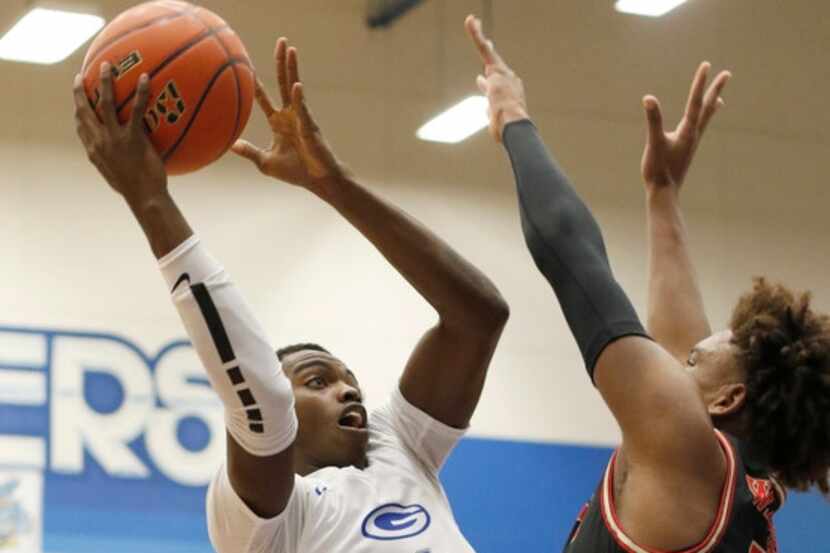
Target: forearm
<point>676,316</point>
<point>567,246</point>
<point>460,293</point>
<point>237,356</point>
<point>162,222</point>
<point>244,372</point>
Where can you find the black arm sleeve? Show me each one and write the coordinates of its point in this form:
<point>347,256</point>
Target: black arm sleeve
<point>566,244</point>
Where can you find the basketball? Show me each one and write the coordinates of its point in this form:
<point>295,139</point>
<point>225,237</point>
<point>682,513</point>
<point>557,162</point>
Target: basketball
<point>201,79</point>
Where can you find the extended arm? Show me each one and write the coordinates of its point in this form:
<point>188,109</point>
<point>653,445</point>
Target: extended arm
<point>676,315</point>
<point>654,402</point>
<point>238,359</point>
<point>445,374</point>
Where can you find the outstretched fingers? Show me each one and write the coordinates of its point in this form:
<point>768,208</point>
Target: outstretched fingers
<point>481,82</point>
<point>264,100</point>
<point>293,68</point>
<point>713,101</point>
<point>654,116</point>
<point>247,150</point>
<point>307,124</point>
<point>485,47</point>
<point>288,74</point>
<point>694,106</point>
<point>280,56</point>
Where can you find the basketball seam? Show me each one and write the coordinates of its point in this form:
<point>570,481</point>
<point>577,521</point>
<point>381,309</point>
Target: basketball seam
<point>125,34</point>
<point>194,14</point>
<point>170,151</point>
<point>238,106</point>
<point>238,90</point>
<point>233,62</point>
<point>168,60</point>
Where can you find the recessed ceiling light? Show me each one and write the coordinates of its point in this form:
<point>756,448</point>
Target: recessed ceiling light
<point>651,8</point>
<point>48,36</point>
<point>457,123</point>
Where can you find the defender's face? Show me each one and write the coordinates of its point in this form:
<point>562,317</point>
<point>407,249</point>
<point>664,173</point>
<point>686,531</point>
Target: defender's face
<point>714,367</point>
<point>332,420</point>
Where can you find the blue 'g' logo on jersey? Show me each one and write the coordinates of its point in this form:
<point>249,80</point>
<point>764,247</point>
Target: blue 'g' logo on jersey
<point>395,522</point>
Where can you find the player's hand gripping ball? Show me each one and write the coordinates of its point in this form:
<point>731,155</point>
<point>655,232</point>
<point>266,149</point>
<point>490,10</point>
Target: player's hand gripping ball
<point>201,79</point>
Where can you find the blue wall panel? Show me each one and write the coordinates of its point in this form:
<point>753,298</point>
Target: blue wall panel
<point>507,495</point>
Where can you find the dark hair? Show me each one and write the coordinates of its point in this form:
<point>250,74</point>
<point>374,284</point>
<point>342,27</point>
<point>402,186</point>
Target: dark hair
<point>288,350</point>
<point>784,346</point>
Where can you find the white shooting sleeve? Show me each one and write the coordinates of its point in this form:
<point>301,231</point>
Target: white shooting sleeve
<point>240,361</point>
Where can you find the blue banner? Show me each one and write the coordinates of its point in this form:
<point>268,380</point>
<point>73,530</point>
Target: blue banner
<point>106,447</point>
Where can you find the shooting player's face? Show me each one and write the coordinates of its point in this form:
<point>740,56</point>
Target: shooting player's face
<point>332,420</point>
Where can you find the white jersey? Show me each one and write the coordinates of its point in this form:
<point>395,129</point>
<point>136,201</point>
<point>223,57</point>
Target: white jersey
<point>395,505</point>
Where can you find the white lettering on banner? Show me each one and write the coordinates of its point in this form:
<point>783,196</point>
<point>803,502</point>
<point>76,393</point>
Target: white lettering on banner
<point>75,425</point>
<point>185,399</point>
<point>156,396</point>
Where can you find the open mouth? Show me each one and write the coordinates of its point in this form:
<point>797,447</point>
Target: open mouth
<point>353,417</point>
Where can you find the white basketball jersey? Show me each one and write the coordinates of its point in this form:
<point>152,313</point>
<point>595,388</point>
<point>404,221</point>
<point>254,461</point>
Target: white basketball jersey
<point>395,505</point>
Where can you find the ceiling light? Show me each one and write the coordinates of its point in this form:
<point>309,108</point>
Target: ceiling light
<point>457,123</point>
<point>651,8</point>
<point>48,36</point>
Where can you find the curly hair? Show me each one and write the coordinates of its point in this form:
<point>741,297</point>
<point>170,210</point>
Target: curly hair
<point>784,346</point>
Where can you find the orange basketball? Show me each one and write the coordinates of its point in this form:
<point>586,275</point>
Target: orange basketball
<point>201,79</point>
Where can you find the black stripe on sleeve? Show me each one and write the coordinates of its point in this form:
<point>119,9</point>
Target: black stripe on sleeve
<point>246,397</point>
<point>226,354</point>
<point>214,322</point>
<point>236,376</point>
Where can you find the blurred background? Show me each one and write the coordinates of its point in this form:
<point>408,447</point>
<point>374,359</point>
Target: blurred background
<point>97,453</point>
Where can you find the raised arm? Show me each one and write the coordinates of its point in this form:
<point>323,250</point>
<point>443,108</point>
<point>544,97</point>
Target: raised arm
<point>664,422</point>
<point>445,373</point>
<point>239,359</point>
<point>676,316</point>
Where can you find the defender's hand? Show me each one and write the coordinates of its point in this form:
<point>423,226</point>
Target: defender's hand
<point>123,154</point>
<point>298,153</point>
<point>668,155</point>
<point>504,90</point>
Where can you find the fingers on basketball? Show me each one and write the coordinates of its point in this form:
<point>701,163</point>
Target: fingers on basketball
<point>201,90</point>
<point>142,98</point>
<point>107,107</point>
<point>83,110</point>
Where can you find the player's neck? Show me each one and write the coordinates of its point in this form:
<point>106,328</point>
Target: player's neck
<point>735,425</point>
<point>304,466</point>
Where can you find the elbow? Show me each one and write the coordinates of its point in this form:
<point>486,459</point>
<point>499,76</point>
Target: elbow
<point>498,311</point>
<point>488,307</point>
<point>487,315</point>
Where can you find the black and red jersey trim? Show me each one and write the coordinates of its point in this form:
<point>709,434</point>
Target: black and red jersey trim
<point>719,525</point>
